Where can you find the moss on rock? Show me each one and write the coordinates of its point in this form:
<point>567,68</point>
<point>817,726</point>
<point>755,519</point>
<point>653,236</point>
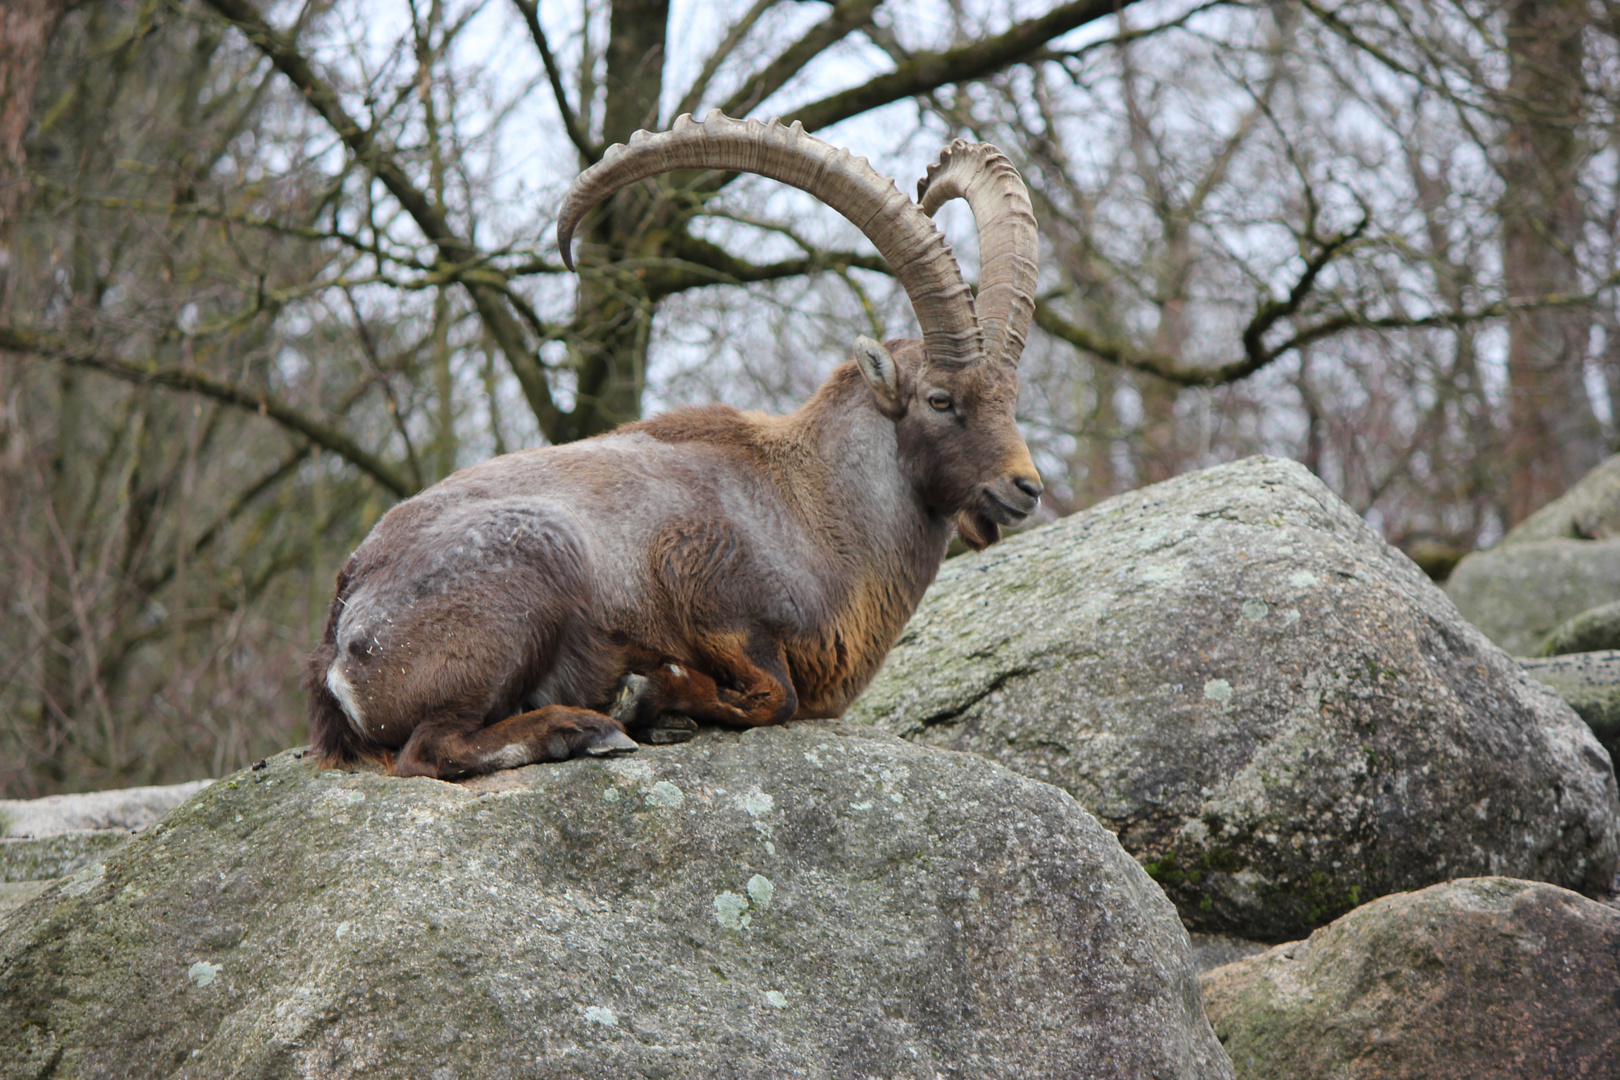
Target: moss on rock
<point>1483,977</point>
<point>1276,712</point>
<point>814,900</point>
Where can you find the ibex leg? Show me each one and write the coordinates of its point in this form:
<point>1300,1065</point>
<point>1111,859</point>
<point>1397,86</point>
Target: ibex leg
<point>749,688</point>
<point>448,749</point>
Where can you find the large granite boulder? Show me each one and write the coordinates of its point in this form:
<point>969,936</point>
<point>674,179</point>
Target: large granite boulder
<point>1596,629</point>
<point>1278,713</point>
<point>1588,511</point>
<point>123,810</point>
<point>1518,594</point>
<point>815,900</point>
<point>1590,682</point>
<point>1485,977</point>
<point>44,839</point>
<point>1553,567</point>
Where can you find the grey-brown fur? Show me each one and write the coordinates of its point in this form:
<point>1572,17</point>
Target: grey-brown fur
<point>752,569</point>
<point>731,545</point>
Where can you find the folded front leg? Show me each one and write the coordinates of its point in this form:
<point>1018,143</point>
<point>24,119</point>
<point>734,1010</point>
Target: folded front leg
<point>450,749</point>
<point>748,687</point>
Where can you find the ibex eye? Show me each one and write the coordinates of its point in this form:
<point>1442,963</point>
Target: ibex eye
<point>940,402</point>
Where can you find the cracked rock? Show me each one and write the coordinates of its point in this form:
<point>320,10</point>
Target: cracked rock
<point>816,900</point>
<point>1279,715</point>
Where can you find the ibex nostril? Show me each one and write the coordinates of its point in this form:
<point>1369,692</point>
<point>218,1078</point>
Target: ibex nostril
<point>1029,486</point>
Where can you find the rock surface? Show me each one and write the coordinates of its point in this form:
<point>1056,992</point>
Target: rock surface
<point>1534,593</point>
<point>1588,511</point>
<point>126,809</point>
<point>816,900</point>
<point>49,857</point>
<point>1593,630</point>
<point>1279,715</point>
<point>1517,594</point>
<point>1486,977</point>
<point>44,839</point>
<point>1590,682</point>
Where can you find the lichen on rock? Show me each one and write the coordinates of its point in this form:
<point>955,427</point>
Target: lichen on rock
<point>1279,715</point>
<point>288,922</point>
<point>1484,977</point>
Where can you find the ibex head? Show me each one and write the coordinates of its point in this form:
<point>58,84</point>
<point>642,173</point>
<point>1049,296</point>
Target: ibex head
<point>958,438</point>
<point>952,396</point>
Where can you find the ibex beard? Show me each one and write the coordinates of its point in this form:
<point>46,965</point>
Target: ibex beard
<point>735,568</point>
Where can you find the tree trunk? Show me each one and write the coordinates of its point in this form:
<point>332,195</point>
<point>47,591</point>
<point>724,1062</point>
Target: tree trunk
<point>25,32</point>
<point>611,360</point>
<point>1160,450</point>
<point>1100,434</point>
<point>1555,438</point>
<point>58,698</point>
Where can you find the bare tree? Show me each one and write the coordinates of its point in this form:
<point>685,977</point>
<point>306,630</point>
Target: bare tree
<point>1437,191</point>
<point>26,27</point>
<point>143,535</point>
<point>249,264</point>
<point>281,264</point>
<point>1555,434</point>
<point>1530,88</point>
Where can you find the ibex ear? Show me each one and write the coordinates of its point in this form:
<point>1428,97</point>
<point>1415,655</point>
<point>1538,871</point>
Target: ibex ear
<point>882,374</point>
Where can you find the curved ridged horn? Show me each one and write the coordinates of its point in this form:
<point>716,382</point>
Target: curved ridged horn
<point>1008,244</point>
<point>909,242</point>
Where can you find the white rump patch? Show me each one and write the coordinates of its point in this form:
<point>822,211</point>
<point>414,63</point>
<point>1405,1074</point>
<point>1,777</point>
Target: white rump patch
<point>343,690</point>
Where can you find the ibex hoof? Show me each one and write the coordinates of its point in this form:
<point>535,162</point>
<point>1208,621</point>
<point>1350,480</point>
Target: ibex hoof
<point>610,744</point>
<point>671,728</point>
<point>632,692</point>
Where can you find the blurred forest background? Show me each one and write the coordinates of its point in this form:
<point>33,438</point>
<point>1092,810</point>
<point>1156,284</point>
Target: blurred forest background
<point>269,266</point>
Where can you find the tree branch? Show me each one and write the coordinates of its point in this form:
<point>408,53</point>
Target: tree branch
<point>1126,35</point>
<point>846,16</point>
<point>734,37</point>
<point>362,143</point>
<point>696,263</point>
<point>1257,355</point>
<point>189,380</point>
<point>1271,311</point>
<point>927,71</point>
<point>155,580</point>
<point>588,150</point>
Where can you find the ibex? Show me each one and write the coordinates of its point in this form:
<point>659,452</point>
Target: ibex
<point>732,567</point>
